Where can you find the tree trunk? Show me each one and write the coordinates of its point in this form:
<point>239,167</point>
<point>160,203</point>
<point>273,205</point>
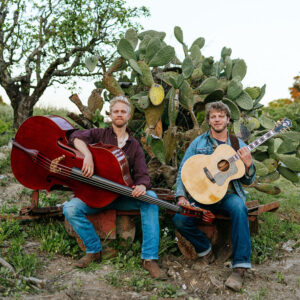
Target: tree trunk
<point>23,109</point>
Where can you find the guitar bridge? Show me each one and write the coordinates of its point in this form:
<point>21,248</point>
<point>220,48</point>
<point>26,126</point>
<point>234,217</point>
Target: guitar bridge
<point>209,176</point>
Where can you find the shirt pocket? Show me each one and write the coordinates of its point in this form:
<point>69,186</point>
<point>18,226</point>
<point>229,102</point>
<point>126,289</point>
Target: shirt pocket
<point>204,150</point>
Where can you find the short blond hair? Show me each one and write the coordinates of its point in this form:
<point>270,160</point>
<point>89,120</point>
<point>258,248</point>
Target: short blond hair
<point>122,99</point>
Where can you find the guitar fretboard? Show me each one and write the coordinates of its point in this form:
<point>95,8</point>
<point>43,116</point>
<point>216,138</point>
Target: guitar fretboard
<point>255,144</point>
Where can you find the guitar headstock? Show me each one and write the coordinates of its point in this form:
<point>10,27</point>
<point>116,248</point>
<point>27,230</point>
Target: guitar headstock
<point>283,125</point>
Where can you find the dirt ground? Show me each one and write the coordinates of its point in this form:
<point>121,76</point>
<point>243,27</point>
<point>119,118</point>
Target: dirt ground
<point>273,280</point>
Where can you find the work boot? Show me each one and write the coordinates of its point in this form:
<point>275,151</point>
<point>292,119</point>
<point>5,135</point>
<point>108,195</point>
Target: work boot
<point>155,271</point>
<point>87,259</point>
<point>236,279</point>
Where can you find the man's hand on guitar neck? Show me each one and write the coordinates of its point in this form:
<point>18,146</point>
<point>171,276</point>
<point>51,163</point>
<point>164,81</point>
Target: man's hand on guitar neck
<point>245,155</point>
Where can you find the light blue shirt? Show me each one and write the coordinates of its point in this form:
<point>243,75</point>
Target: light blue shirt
<point>203,145</point>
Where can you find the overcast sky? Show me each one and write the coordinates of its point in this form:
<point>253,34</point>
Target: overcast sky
<point>265,33</point>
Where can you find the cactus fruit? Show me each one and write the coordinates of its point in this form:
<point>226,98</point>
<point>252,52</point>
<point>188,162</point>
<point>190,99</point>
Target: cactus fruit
<point>234,110</point>
<point>132,37</point>
<point>112,85</point>
<point>156,94</point>
<point>146,76</point>
<point>288,174</point>
<point>187,67</point>
<point>162,57</point>
<point>178,34</point>
<point>239,68</point>
<point>234,89</point>
<point>126,50</point>
<point>253,92</point>
<point>244,101</point>
<point>207,66</point>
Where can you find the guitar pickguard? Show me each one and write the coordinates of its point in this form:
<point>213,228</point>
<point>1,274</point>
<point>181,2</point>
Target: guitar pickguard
<point>221,177</point>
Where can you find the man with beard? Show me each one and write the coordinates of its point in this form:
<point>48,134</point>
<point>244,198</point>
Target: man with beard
<point>76,210</point>
<point>232,204</point>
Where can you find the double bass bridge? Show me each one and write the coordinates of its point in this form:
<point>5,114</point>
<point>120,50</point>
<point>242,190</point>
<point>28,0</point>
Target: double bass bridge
<point>54,165</point>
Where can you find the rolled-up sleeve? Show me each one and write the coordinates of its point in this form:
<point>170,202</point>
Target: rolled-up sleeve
<point>140,172</point>
<point>89,136</point>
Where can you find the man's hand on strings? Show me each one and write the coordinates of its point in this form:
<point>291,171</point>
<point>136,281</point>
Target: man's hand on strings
<point>138,190</point>
<point>183,201</point>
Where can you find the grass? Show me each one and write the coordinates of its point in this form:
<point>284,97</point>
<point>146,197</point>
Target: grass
<point>274,229</point>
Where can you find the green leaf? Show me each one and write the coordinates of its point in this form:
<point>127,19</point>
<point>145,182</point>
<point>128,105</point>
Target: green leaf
<point>157,146</point>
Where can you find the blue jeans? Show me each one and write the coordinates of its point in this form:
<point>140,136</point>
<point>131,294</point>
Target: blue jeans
<point>234,207</point>
<point>75,211</point>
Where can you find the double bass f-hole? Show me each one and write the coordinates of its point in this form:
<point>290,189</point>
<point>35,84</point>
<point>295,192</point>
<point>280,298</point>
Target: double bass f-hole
<point>54,168</point>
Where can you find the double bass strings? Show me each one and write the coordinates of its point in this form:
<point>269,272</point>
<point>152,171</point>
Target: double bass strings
<point>60,169</point>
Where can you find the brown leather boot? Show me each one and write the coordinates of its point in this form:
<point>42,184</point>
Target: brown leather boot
<point>236,279</point>
<point>155,271</point>
<point>87,259</point>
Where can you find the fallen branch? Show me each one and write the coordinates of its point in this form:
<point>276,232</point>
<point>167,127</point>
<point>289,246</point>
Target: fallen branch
<point>38,282</point>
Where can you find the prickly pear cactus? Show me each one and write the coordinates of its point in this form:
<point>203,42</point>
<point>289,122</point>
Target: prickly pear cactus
<point>170,97</point>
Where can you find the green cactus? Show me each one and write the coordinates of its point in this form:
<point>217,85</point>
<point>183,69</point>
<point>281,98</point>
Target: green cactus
<point>270,177</point>
<point>234,110</point>
<point>196,56</point>
<point>152,33</point>
<point>228,67</point>
<point>162,57</point>
<point>132,37</point>
<point>178,34</point>
<point>234,89</point>
<point>225,52</point>
<point>239,68</point>
<point>208,85</point>
<point>288,174</point>
<point>291,162</point>
<point>207,66</point>
<point>187,67</point>
<point>146,75</point>
<point>253,92</point>
<point>173,106</point>
<point>244,101</point>
<point>143,102</point>
<point>200,42</point>
<point>153,47</point>
<point>126,50</point>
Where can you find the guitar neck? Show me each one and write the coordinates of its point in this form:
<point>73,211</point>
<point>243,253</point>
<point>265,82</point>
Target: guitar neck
<point>109,185</point>
<point>256,143</point>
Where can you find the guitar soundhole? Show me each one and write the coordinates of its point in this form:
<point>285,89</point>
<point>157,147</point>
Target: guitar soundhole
<point>223,165</point>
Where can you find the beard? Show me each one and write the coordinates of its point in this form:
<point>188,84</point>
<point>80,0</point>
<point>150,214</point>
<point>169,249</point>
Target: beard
<point>120,124</point>
<point>219,130</point>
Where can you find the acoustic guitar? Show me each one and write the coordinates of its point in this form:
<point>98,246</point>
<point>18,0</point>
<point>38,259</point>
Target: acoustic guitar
<point>206,177</point>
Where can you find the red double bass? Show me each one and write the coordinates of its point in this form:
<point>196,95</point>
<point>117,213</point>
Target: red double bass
<point>41,159</point>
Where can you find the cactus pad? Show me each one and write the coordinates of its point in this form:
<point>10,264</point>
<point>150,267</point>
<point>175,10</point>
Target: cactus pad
<point>162,57</point>
<point>126,50</point>
<point>244,101</point>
